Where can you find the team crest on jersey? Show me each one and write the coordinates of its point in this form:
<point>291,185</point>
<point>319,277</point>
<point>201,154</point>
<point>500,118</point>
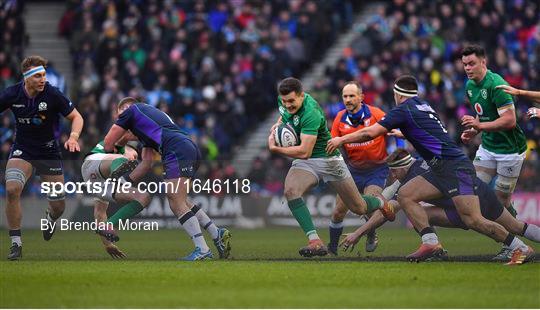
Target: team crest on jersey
<point>17,153</point>
<point>296,120</point>
<point>483,93</point>
<point>469,92</point>
<point>42,106</point>
<point>478,109</point>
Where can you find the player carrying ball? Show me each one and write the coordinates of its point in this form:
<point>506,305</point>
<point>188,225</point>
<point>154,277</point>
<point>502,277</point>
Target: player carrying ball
<point>312,163</point>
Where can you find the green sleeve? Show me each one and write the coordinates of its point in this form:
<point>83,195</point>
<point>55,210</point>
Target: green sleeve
<point>310,123</point>
<point>500,98</point>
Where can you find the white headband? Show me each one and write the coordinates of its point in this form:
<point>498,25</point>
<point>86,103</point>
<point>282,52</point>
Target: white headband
<point>33,71</point>
<point>400,163</point>
<point>405,92</point>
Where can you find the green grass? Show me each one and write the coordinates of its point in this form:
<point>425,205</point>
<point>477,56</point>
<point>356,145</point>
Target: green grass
<point>73,271</point>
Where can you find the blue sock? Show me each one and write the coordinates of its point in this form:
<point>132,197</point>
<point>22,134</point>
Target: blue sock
<point>335,232</point>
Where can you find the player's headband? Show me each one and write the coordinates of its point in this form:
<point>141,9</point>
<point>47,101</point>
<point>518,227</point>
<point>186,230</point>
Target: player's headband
<point>33,71</point>
<point>400,163</point>
<point>405,92</point>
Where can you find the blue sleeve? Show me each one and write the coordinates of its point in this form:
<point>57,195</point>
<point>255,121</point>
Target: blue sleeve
<point>4,101</point>
<point>124,119</point>
<point>63,104</point>
<point>396,118</point>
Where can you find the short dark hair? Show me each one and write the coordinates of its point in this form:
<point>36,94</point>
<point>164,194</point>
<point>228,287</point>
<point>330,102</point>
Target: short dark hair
<point>33,61</point>
<point>288,85</point>
<point>126,100</point>
<point>407,82</point>
<point>358,86</point>
<point>475,49</point>
<point>398,154</point>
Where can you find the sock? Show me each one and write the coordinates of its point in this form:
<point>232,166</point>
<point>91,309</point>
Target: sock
<point>373,203</point>
<point>336,228</point>
<point>15,236</point>
<point>513,242</point>
<point>129,210</point>
<point>191,225</point>
<point>531,232</point>
<point>429,236</point>
<point>117,162</point>
<point>205,221</point>
<point>301,214</point>
<point>511,209</point>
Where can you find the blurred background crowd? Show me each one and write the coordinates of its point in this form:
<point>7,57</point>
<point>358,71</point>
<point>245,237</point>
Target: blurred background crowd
<point>213,65</point>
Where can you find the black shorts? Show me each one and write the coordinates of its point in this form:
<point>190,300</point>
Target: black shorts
<point>490,207</point>
<point>453,177</point>
<point>181,158</point>
<point>45,163</point>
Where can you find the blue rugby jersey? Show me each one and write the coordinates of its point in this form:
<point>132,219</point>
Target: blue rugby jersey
<point>421,125</point>
<point>153,127</point>
<point>37,119</point>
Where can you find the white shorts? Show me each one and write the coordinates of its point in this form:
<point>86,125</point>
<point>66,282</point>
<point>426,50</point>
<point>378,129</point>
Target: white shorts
<point>327,169</point>
<point>90,172</point>
<point>507,165</point>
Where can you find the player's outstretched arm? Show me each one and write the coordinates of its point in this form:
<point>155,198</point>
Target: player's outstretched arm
<point>363,135</point>
<point>77,123</point>
<point>533,95</point>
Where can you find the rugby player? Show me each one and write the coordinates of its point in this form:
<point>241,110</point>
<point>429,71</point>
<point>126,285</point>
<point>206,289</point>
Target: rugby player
<point>533,95</point>
<point>36,106</point>
<point>441,212</point>
<point>312,163</point>
<point>180,157</point>
<point>453,175</point>
<point>502,151</point>
<point>366,161</point>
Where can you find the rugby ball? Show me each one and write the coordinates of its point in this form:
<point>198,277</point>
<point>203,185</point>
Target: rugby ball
<point>285,135</point>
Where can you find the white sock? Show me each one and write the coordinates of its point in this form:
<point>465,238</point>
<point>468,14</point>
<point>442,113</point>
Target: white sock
<point>430,239</point>
<point>312,235</point>
<point>532,232</point>
<point>516,243</point>
<point>191,225</point>
<point>205,221</point>
<point>16,239</point>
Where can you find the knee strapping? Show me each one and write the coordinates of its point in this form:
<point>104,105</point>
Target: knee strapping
<point>505,184</point>
<point>16,175</point>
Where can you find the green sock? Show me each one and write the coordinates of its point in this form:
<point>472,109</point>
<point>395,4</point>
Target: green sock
<point>301,214</point>
<point>129,210</point>
<point>373,203</point>
<point>511,209</point>
<point>117,162</point>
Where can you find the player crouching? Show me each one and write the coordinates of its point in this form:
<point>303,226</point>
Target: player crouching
<point>99,166</point>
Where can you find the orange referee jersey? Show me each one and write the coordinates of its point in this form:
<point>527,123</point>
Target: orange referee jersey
<point>366,154</point>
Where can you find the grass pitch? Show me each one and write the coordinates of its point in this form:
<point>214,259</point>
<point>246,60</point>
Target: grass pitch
<point>72,270</point>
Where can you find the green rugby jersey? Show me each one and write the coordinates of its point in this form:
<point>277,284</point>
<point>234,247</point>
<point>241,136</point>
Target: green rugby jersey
<point>309,120</point>
<point>100,148</point>
<point>486,101</point>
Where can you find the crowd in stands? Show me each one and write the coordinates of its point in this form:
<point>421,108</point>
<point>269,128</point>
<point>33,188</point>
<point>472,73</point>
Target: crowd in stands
<point>425,38</point>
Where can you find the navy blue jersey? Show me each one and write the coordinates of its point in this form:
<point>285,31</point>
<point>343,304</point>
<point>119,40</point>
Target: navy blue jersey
<point>421,125</point>
<point>152,126</point>
<point>38,118</point>
<point>490,206</point>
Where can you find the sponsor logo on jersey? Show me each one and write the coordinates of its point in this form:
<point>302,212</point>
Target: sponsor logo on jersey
<point>18,105</point>
<point>469,92</point>
<point>17,153</point>
<point>281,110</point>
<point>296,120</point>
<point>42,106</point>
<point>483,93</point>
<point>367,122</point>
<point>478,108</point>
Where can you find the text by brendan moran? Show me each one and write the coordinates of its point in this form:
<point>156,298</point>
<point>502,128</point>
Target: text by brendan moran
<point>65,224</point>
